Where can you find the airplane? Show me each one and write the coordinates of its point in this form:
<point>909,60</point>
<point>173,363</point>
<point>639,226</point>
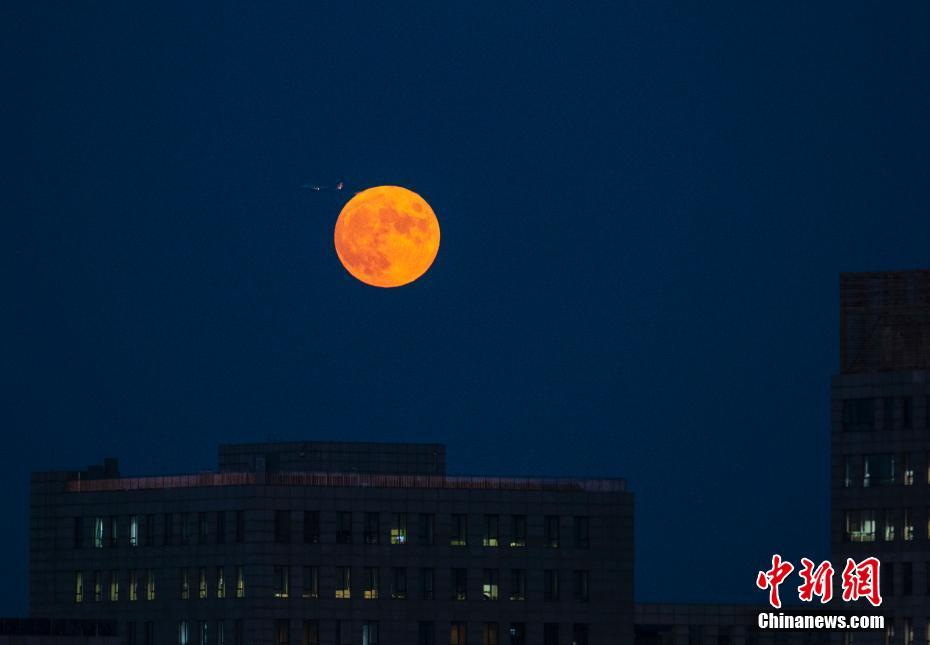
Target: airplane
<point>339,185</point>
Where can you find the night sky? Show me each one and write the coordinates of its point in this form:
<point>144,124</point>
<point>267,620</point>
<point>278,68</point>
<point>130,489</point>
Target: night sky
<point>644,208</point>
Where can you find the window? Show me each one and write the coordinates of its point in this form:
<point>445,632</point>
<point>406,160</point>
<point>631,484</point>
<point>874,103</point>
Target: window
<point>282,631</point>
<point>185,585</point>
<point>220,582</point>
<point>457,634</point>
<point>489,634</point>
<point>168,536</point>
<point>907,578</point>
<point>133,530</point>
<point>908,630</point>
<point>240,582</point>
<point>282,527</point>
<point>130,633</point>
<point>860,526</point>
<point>282,582</point>
<point>148,536</point>
<point>98,587</point>
<point>581,591</point>
<point>343,582</point>
<point>220,633</point>
<point>343,632</point>
<point>114,531</point>
<point>149,633</point>
<point>551,634</point>
<point>426,633</point>
<point>399,529</point>
<point>187,528</point>
<point>907,531</point>
<point>399,583</point>
<point>847,472</point>
<point>114,586</point>
<point>426,584</point>
<point>426,533</point>
<point>238,632</point>
<point>78,532</point>
<point>240,527</point>
<point>579,634</point>
<point>202,530</point>
<point>459,530</point>
<point>886,580</point>
<point>133,586</point>
<point>344,528</point>
<point>202,630</point>
<point>888,413</point>
<point>878,470</point>
<point>311,582</point>
<point>183,633</point>
<point>98,532</point>
<point>518,531</point>
<point>371,528</point>
<point>517,634</point>
<point>150,584</point>
<point>202,583</point>
<point>79,586</point>
<point>491,530</point>
<point>552,531</point>
<point>891,521</point>
<point>858,415</point>
<point>489,586</point>
<point>551,585</point>
<point>311,632</point>
<point>311,527</point>
<point>220,528</point>
<point>908,469</point>
<point>907,406</point>
<point>518,584</point>
<point>370,633</point>
<point>582,532</point>
<point>459,584</point>
<point>370,582</point>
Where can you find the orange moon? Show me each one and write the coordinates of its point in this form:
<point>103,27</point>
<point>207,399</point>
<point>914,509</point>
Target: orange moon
<point>387,236</point>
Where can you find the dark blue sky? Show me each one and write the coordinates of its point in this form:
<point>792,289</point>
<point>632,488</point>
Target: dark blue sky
<point>644,211</point>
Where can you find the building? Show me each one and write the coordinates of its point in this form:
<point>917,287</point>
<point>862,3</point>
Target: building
<point>44,631</point>
<point>880,442</point>
<point>335,543</point>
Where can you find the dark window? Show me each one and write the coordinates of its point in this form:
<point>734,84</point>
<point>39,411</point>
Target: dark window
<point>238,632</point>
<point>185,588</point>
<point>201,528</point>
<point>114,531</point>
<point>426,633</point>
<point>518,584</point>
<point>311,527</point>
<point>187,528</point>
<point>552,531</point>
<point>148,533</point>
<point>282,630</point>
<point>459,530</point>
<point>928,579</point>
<point>370,633</point>
<point>907,406</point>
<point>149,633</point>
<point>311,582</point>
<point>220,527</point>
<point>551,634</point>
<point>459,584</point>
<point>551,585</point>
<point>927,413</point>
<point>426,584</point>
<point>311,632</point>
<point>344,528</point>
<point>371,528</point>
<point>517,634</point>
<point>888,413</point>
<point>240,526</point>
<point>886,580</point>
<point>858,415</point>
<point>399,583</point>
<point>582,532</point>
<point>343,632</point>
<point>490,635</point>
<point>878,470</point>
<point>426,532</point>
<point>518,530</point>
<point>78,532</point>
<point>579,634</point>
<point>130,633</point>
<point>907,578</point>
<point>457,634</point>
<point>168,536</point>
<point>282,527</point>
<point>491,530</point>
<point>581,591</point>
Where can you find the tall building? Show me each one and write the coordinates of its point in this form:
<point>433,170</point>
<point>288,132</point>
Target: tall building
<point>334,543</point>
<point>880,442</point>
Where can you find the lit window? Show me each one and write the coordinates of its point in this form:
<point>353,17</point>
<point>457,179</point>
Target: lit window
<point>491,530</point>
<point>203,632</point>
<point>133,586</point>
<point>184,633</point>
<point>370,592</point>
<point>908,469</point>
<point>150,585</point>
<point>459,530</point>
<point>399,583</point>
<point>891,521</point>
<point>114,532</point>
<point>311,582</point>
<point>551,585</point>
<point>98,587</point>
<point>220,583</point>
<point>489,586</point>
<point>907,531</point>
<point>518,584</point>
<point>371,528</point>
<point>98,532</point>
<point>459,584</point>
<point>282,582</point>
<point>552,531</point>
<point>78,586</point>
<point>343,582</point>
<point>581,591</point>
<point>240,582</point>
<point>202,583</point>
<point>908,631</point>
<point>133,530</point>
<point>860,526</point>
<point>518,531</point>
<point>185,585</point>
<point>114,586</point>
<point>399,529</point>
<point>369,633</point>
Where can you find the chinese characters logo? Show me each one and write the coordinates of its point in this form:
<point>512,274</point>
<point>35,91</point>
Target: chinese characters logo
<point>859,580</point>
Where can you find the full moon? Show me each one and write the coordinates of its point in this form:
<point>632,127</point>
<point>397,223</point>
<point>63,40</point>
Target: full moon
<point>387,236</point>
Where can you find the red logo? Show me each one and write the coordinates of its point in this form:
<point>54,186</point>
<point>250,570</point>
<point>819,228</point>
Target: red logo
<point>859,580</point>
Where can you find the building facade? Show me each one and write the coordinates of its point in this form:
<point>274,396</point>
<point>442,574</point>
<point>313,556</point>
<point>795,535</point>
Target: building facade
<point>334,543</point>
<point>880,442</point>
